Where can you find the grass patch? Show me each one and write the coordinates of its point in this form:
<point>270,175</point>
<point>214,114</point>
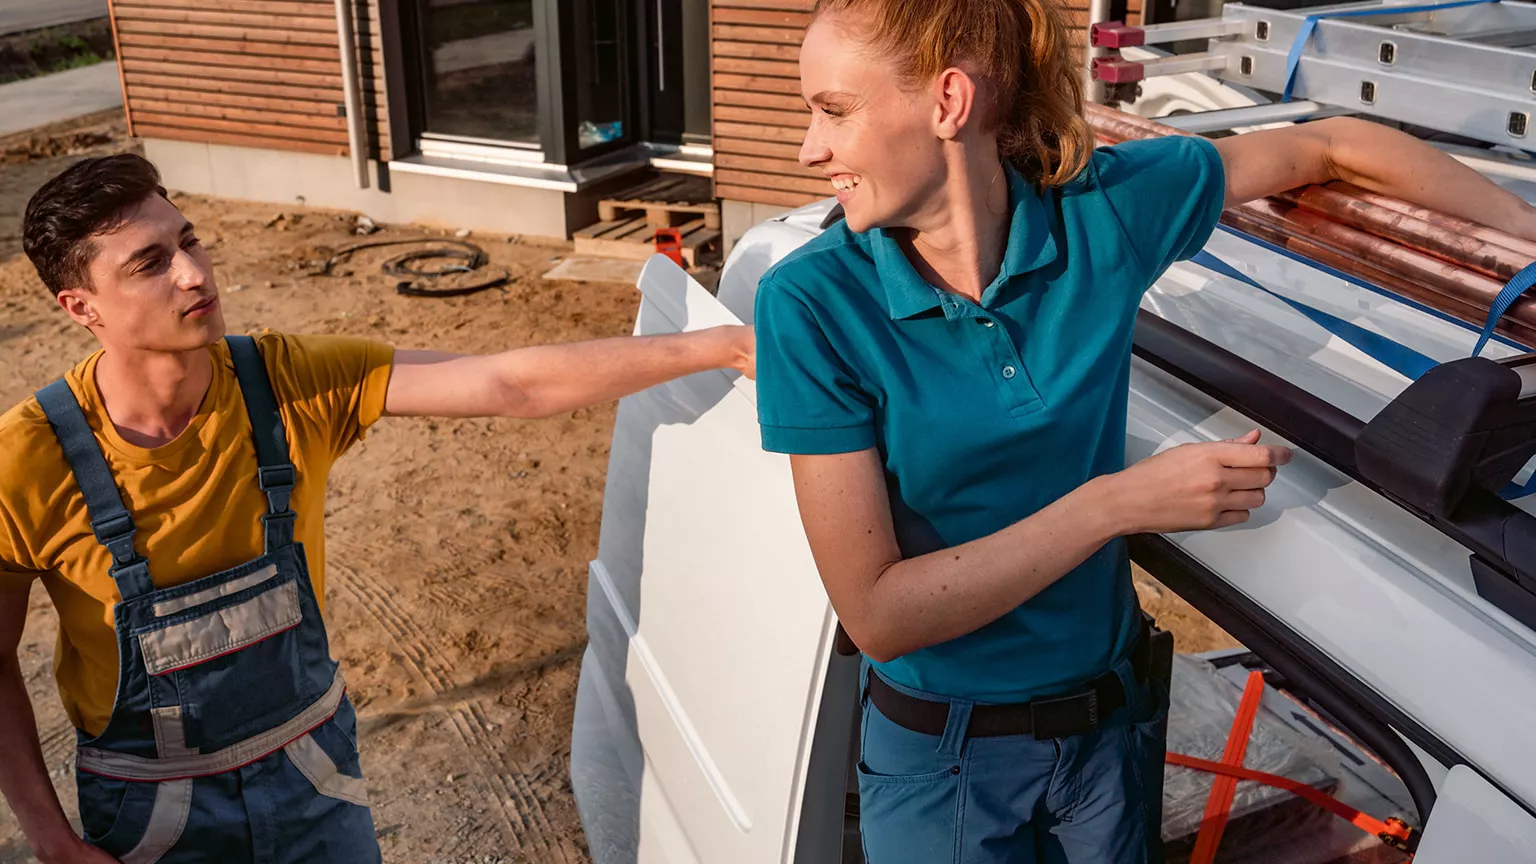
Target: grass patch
<point>55,49</point>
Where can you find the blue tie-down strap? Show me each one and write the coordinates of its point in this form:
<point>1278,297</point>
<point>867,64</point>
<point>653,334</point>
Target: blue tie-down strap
<point>1513,289</point>
<point>1394,355</point>
<point>1507,297</point>
<point>1310,24</point>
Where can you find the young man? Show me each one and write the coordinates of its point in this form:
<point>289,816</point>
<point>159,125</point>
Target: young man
<point>169,491</point>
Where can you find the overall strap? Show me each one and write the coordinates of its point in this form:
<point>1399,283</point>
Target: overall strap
<point>110,520</point>
<point>275,473</point>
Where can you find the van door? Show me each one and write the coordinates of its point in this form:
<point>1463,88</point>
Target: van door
<point>710,633</point>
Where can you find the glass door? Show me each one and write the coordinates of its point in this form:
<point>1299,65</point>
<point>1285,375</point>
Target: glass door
<point>678,71</point>
<point>601,76</point>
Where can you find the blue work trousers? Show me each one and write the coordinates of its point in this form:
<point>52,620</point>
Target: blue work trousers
<point>1086,799</point>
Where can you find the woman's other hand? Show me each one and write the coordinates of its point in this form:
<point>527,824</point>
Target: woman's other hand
<point>1196,487</point>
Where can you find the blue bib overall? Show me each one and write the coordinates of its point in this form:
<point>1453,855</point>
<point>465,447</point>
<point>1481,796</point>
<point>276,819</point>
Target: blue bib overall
<point>231,739</point>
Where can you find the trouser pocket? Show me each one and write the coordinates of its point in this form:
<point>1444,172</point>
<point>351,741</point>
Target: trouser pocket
<point>909,795</point>
<point>328,757</point>
<point>134,822</point>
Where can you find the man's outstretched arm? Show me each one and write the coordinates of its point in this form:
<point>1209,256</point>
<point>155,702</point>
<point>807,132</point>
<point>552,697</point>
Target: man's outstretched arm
<point>545,380</point>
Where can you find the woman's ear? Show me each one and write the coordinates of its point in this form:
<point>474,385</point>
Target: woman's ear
<point>955,102</point>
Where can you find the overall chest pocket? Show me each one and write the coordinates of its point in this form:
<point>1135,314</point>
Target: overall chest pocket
<point>234,664</point>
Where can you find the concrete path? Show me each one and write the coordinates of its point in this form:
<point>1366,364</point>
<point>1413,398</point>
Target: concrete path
<point>18,15</point>
<point>35,102</point>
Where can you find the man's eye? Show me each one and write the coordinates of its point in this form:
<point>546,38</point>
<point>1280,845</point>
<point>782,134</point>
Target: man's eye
<point>190,242</point>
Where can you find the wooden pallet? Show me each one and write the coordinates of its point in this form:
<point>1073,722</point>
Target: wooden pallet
<point>664,202</point>
<point>635,238</point>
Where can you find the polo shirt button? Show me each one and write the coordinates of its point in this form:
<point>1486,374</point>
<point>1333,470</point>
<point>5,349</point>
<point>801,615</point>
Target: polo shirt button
<point>985,322</point>
<point>1009,371</point>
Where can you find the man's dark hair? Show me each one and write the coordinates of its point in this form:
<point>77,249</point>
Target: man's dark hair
<point>89,198</point>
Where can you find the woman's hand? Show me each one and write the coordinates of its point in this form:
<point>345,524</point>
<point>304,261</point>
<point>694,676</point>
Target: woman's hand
<point>1195,487</point>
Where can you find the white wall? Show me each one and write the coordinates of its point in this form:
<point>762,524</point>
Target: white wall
<point>326,181</point>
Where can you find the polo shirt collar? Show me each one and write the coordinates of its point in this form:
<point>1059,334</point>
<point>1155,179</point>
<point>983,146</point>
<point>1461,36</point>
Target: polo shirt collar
<point>1030,247</point>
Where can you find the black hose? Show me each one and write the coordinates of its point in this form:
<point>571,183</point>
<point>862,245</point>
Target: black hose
<point>418,281</point>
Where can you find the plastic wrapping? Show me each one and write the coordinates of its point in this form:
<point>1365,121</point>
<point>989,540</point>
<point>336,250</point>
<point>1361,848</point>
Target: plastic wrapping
<point>1265,824</point>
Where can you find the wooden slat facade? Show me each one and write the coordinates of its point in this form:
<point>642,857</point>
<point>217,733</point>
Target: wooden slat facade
<point>252,73</point>
<point>759,116</point>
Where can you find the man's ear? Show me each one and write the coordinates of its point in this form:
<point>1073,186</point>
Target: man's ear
<point>954,93</point>
<point>79,305</point>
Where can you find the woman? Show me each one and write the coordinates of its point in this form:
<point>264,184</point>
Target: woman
<point>948,370</point>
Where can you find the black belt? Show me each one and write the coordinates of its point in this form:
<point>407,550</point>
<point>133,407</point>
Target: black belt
<point>1056,717</point>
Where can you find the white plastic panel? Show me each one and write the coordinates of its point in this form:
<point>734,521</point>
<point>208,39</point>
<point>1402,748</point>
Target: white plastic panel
<point>1475,822</point>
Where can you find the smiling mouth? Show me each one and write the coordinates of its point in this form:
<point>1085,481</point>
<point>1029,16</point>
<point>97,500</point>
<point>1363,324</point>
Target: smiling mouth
<point>846,182</point>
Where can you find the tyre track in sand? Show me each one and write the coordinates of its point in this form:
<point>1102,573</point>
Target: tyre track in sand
<point>519,804</point>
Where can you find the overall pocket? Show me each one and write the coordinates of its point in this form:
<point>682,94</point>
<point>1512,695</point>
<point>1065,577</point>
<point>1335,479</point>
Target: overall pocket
<point>236,663</point>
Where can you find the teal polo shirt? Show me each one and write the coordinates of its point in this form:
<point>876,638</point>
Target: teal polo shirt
<point>985,413</point>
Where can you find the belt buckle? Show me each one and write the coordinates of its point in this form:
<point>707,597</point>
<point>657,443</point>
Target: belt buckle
<point>1064,717</point>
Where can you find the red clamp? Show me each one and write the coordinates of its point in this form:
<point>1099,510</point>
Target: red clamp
<point>1399,835</point>
<point>1115,34</point>
<point>669,242</point>
<point>1117,70</point>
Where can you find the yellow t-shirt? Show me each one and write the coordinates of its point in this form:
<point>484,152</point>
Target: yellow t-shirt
<point>194,500</point>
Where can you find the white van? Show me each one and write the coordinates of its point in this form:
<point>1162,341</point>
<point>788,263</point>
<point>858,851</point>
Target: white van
<point>1396,633</point>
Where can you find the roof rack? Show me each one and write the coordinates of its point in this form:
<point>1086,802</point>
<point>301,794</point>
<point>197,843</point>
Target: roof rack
<point>1456,66</point>
<point>1501,536</point>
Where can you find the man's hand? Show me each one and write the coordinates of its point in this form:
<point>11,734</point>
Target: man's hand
<point>23,773</point>
<point>75,851</point>
<point>743,343</point>
<point>1195,487</point>
<point>545,380</point>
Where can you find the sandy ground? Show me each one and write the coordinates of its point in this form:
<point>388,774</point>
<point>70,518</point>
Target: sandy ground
<point>458,549</point>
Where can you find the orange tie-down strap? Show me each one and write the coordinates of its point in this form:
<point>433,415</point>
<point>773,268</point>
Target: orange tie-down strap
<point>1394,832</point>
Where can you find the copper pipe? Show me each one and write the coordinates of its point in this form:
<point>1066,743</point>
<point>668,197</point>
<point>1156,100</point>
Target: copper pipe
<point>1120,126</point>
<point>1479,256</point>
<point>1484,250</point>
<point>1438,219</point>
<point>1290,238</point>
<point>1287,239</point>
<point>1415,275</point>
<point>1384,254</point>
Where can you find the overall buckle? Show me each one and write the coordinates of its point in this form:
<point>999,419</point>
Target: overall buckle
<point>112,528</point>
<point>276,477</point>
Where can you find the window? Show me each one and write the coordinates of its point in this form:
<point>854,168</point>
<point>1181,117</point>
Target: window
<point>478,64</point>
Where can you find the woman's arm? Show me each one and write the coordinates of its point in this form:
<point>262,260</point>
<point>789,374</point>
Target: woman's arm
<point>1371,156</point>
<point>892,606</point>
